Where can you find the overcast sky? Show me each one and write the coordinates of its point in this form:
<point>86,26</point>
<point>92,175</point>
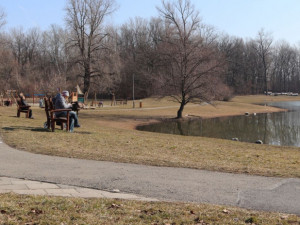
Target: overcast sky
<point>241,18</point>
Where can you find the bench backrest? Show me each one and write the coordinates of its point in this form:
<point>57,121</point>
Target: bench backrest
<point>19,103</point>
<point>48,106</point>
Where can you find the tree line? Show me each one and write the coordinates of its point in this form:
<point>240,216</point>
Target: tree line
<point>174,54</point>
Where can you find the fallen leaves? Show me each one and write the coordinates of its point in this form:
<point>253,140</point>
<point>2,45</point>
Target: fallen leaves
<point>199,221</point>
<point>35,211</point>
<point>225,211</point>
<point>114,206</point>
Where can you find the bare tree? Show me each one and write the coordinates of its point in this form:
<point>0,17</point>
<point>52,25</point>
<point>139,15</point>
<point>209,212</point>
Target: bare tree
<point>137,50</point>
<point>244,71</point>
<point>285,72</point>
<point>107,67</point>
<point>190,53</point>
<point>2,18</point>
<point>234,51</point>
<point>25,49</point>
<point>85,19</point>
<point>53,60</point>
<point>264,51</point>
<point>7,65</point>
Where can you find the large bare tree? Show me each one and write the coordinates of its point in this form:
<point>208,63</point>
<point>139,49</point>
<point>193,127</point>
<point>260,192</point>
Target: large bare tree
<point>85,19</point>
<point>190,53</point>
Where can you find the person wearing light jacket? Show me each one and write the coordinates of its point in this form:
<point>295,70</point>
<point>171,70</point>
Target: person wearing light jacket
<point>61,103</point>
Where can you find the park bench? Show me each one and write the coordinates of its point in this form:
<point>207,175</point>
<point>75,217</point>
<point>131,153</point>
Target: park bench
<point>22,108</point>
<point>121,101</point>
<point>51,117</point>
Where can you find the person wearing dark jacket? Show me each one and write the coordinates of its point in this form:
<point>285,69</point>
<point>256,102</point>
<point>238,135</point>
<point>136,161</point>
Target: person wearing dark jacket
<point>24,103</point>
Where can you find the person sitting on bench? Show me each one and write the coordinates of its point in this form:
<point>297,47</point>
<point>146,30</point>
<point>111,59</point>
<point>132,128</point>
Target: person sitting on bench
<point>61,103</point>
<point>24,103</point>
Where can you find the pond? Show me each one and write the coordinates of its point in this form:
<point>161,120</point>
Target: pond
<point>282,128</point>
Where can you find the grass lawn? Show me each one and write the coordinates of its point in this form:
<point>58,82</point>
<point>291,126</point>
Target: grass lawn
<point>108,134</point>
<point>16,209</point>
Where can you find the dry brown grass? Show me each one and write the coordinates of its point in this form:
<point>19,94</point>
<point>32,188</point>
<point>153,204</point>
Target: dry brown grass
<point>16,209</point>
<point>108,134</point>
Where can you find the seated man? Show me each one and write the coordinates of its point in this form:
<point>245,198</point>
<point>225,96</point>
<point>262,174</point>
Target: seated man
<point>24,103</point>
<point>61,103</point>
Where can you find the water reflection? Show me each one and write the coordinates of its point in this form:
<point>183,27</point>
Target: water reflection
<point>281,128</point>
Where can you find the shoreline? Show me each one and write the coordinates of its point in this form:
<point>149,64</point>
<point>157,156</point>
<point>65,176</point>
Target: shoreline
<point>134,122</point>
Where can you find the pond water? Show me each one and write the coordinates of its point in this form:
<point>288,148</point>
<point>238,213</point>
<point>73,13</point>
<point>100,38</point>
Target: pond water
<point>282,128</point>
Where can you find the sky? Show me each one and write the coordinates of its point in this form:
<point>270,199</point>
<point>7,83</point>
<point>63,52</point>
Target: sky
<point>240,18</point>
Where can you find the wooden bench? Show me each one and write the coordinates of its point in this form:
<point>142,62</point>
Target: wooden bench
<point>51,117</point>
<point>121,101</point>
<point>22,108</point>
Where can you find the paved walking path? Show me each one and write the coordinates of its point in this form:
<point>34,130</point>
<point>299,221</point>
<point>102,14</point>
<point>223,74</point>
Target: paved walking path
<point>145,182</point>
<point>28,187</point>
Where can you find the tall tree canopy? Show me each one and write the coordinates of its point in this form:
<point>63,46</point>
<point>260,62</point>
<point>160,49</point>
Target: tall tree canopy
<point>189,50</point>
<point>85,19</point>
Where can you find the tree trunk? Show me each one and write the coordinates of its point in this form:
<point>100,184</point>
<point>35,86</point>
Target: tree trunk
<point>87,79</point>
<point>265,80</point>
<point>180,110</point>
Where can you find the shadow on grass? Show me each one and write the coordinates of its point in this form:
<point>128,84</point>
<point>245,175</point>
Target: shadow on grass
<point>39,129</point>
<point>82,132</point>
<point>35,129</point>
